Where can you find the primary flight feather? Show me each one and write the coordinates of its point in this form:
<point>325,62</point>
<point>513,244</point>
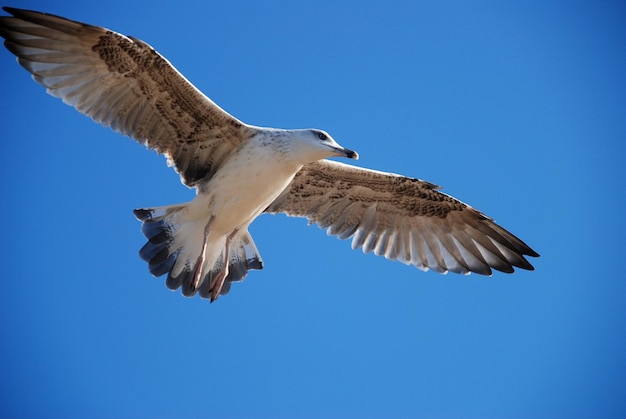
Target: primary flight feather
<point>240,171</point>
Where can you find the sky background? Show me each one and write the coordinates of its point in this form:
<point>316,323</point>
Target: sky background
<point>517,108</point>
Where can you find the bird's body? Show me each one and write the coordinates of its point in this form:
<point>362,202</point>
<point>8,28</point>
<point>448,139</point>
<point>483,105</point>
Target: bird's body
<point>210,233</point>
<point>246,172</point>
<point>241,171</point>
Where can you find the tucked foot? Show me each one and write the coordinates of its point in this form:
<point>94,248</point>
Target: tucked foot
<point>218,282</point>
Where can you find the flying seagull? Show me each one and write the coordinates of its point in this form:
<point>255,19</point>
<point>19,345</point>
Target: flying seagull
<point>240,171</point>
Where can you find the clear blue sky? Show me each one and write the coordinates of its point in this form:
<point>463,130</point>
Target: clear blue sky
<point>518,109</point>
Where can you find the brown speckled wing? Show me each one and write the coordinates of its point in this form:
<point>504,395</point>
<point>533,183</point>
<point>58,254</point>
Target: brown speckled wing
<point>402,219</point>
<point>123,83</point>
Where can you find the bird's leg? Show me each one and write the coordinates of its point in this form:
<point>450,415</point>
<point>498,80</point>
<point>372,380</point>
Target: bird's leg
<point>218,282</point>
<point>197,269</point>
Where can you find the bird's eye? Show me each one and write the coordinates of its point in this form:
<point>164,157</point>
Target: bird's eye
<point>322,136</point>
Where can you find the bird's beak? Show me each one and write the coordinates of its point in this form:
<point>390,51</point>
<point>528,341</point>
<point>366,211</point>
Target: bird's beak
<point>351,154</point>
<point>344,152</point>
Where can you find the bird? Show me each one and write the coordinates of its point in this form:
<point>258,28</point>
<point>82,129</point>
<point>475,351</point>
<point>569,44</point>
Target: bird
<point>241,171</point>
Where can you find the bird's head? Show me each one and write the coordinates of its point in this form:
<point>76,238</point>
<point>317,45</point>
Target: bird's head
<point>310,145</point>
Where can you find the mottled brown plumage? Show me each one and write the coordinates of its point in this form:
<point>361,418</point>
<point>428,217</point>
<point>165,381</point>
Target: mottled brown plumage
<point>123,83</point>
<point>401,218</point>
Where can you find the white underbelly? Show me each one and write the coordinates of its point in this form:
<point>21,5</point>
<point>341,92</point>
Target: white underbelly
<point>241,190</point>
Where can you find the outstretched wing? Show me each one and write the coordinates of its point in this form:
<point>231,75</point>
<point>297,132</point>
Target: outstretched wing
<point>125,84</point>
<point>402,219</point>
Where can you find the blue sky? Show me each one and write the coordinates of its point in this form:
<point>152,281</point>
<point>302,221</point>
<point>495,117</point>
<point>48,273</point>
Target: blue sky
<point>516,108</point>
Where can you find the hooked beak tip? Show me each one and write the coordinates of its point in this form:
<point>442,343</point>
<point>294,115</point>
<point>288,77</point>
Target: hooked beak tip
<point>352,154</point>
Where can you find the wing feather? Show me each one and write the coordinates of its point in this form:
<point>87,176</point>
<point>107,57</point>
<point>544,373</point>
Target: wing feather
<point>401,218</point>
<point>123,83</point>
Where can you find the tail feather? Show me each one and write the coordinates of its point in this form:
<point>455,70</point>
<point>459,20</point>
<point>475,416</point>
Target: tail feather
<point>174,245</point>
<point>159,227</point>
<point>243,256</point>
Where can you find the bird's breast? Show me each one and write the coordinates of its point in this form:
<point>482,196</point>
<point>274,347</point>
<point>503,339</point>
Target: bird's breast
<point>244,186</point>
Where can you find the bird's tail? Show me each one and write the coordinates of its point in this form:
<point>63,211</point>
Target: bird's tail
<point>177,242</point>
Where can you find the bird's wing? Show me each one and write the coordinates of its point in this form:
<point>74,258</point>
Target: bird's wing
<point>123,83</point>
<point>401,218</point>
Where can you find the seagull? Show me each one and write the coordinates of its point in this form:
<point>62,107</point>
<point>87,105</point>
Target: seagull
<point>240,171</point>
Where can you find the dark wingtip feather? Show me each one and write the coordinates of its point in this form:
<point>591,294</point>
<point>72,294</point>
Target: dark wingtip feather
<point>532,253</point>
<point>11,10</point>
